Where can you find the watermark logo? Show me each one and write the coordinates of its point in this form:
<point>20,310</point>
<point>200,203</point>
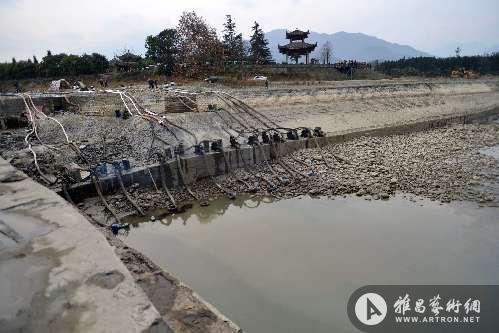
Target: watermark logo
<point>370,309</point>
<point>425,309</point>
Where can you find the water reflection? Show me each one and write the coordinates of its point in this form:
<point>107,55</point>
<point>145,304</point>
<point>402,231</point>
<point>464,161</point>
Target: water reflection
<point>197,213</point>
<point>491,151</point>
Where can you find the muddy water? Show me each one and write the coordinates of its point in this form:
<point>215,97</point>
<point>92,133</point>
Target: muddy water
<point>491,151</point>
<point>291,265</point>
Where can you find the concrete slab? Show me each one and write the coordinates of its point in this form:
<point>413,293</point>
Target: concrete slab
<point>57,272</point>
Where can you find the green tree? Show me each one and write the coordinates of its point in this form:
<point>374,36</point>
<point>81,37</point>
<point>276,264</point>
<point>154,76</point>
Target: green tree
<point>25,70</point>
<point>51,65</point>
<point>232,42</point>
<point>71,65</point>
<point>54,66</point>
<point>100,64</point>
<point>431,66</point>
<point>259,49</point>
<point>162,50</point>
<point>12,69</point>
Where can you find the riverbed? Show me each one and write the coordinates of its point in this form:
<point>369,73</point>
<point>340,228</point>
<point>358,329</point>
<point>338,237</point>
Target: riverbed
<point>291,265</point>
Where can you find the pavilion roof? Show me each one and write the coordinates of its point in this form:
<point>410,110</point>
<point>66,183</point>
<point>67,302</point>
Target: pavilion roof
<point>129,57</point>
<point>297,34</point>
<point>297,47</point>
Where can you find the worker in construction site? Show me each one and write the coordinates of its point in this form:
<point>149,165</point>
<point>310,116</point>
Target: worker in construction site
<point>17,86</point>
<point>152,83</point>
<point>103,82</point>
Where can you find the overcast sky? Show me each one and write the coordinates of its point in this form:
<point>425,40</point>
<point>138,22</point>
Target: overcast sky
<point>30,27</point>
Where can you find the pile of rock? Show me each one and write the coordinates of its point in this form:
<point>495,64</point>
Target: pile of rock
<point>442,164</point>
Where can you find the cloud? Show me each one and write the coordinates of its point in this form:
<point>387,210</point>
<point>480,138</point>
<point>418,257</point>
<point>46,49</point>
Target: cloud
<point>31,26</point>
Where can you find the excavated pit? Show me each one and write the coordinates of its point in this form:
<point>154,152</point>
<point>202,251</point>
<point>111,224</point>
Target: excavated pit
<point>384,139</point>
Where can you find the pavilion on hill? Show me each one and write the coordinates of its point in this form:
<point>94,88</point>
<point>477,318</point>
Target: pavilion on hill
<point>297,46</point>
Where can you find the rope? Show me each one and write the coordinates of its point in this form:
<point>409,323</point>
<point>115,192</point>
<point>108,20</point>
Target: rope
<point>95,180</point>
<point>187,106</point>
<point>262,153</point>
<point>231,195</point>
<point>183,179</point>
<point>51,118</point>
<point>228,125</point>
<point>248,109</point>
<point>163,181</point>
<point>152,178</point>
<point>252,174</point>
<point>26,140</point>
<point>159,119</point>
<point>127,195</point>
<point>227,102</point>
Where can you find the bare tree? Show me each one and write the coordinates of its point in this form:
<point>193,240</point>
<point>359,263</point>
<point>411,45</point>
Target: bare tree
<point>199,47</point>
<point>326,53</point>
<point>458,51</point>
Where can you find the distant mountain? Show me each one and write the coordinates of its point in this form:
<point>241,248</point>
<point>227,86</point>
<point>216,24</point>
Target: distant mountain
<point>347,46</point>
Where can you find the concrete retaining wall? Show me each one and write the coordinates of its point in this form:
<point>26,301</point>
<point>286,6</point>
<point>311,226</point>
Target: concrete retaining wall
<point>12,108</point>
<point>88,103</point>
<point>12,105</point>
<point>213,164</point>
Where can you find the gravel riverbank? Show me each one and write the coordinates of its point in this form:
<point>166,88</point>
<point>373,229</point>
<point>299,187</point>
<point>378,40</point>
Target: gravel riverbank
<point>444,164</point>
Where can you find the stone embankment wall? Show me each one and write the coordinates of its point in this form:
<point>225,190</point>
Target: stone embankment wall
<point>160,101</point>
